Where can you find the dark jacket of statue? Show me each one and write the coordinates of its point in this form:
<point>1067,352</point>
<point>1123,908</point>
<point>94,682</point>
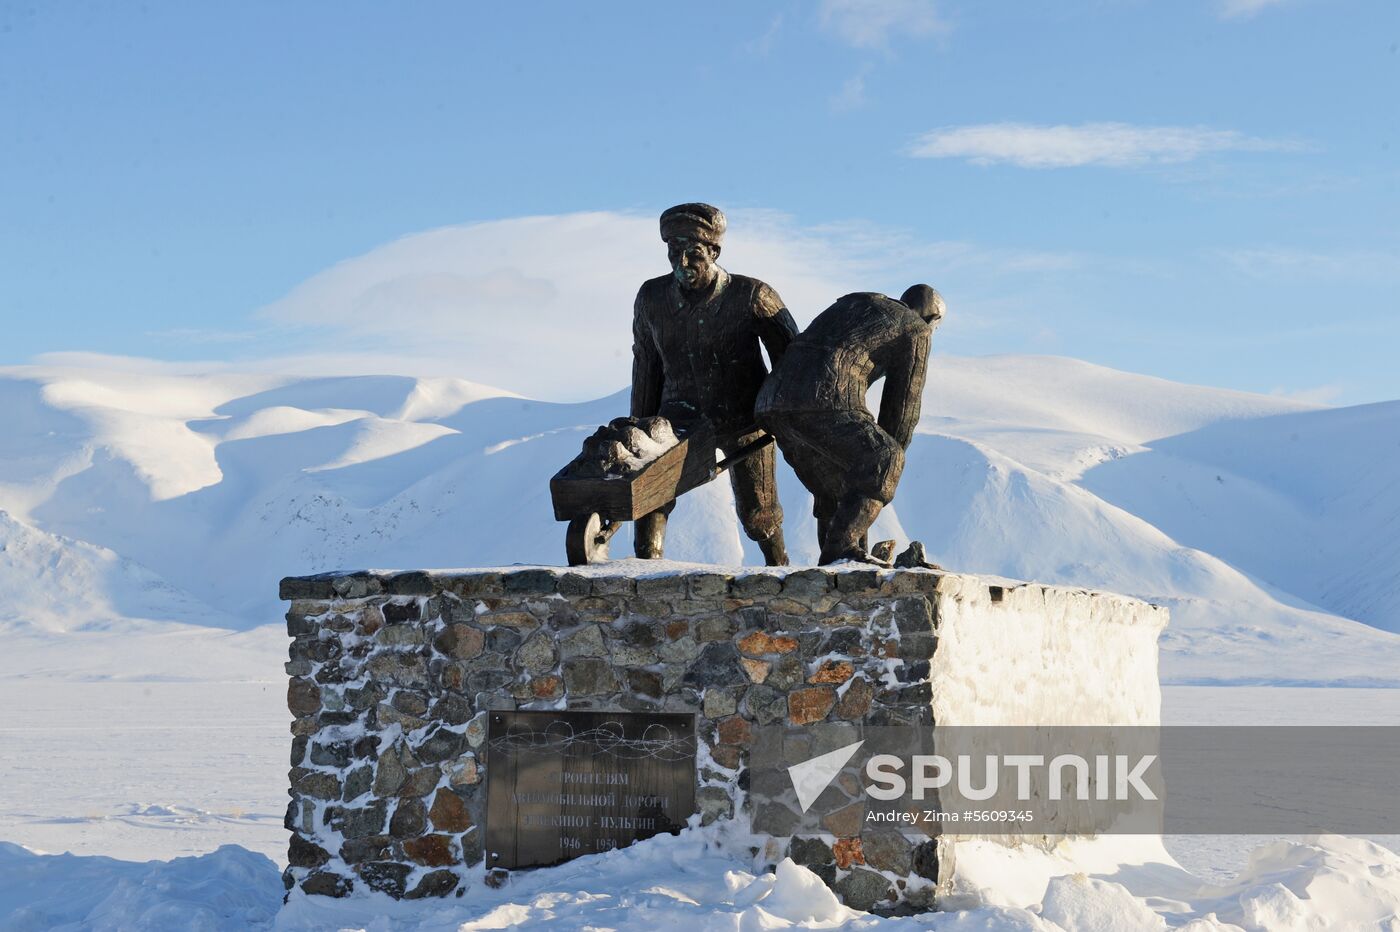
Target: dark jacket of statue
<point>852,344</point>
<point>814,402</point>
<point>702,354</point>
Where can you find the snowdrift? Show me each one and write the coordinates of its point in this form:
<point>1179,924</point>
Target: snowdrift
<point>699,880</point>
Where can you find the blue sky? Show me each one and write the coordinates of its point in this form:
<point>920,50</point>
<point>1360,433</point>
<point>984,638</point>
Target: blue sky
<point>1204,191</point>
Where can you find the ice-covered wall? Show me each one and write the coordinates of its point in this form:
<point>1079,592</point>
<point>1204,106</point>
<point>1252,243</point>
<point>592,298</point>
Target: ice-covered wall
<point>392,674</point>
<point>1061,656</point>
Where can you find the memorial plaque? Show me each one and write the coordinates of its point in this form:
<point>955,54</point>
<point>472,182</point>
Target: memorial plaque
<point>561,784</point>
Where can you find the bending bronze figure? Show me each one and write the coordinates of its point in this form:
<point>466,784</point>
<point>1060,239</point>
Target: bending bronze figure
<point>814,404</point>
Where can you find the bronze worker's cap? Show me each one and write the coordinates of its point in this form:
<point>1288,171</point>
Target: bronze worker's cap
<point>693,221</point>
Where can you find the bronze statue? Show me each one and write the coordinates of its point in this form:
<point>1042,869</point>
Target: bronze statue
<point>814,404</point>
<point>696,337</point>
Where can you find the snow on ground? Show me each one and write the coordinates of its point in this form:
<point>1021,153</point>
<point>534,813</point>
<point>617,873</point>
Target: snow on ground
<point>139,770</point>
<point>700,881</point>
<point>193,774</point>
<point>229,889</point>
<point>1218,857</point>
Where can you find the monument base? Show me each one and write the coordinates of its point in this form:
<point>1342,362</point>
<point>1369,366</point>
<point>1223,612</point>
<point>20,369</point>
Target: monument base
<point>393,677</point>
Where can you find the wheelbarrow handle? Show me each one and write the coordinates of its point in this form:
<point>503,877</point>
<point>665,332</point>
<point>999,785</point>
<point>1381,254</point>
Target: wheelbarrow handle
<point>744,452</point>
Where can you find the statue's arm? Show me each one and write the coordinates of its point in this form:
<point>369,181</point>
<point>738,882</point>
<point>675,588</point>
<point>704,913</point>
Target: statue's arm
<point>903,394</point>
<point>647,375</point>
<point>774,323</point>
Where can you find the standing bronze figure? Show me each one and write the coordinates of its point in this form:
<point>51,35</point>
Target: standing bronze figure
<point>814,404</point>
<point>696,337</point>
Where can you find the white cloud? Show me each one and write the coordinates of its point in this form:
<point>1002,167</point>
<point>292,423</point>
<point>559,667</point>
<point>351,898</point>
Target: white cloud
<point>202,335</point>
<point>1031,145</point>
<point>763,44</point>
<point>543,305</point>
<point>869,24</point>
<point>1273,262</point>
<point>852,94</point>
<point>1318,395</point>
<point>1244,9</point>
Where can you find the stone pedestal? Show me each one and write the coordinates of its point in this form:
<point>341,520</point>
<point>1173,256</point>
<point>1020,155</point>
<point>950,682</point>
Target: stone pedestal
<point>392,675</point>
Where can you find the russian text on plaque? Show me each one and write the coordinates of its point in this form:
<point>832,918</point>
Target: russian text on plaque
<point>561,784</point>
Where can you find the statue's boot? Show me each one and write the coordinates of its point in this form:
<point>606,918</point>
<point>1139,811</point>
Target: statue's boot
<point>774,549</point>
<point>845,538</point>
<point>649,536</point>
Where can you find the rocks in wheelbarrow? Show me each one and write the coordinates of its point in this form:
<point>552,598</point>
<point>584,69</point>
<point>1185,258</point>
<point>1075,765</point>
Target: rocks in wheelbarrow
<point>658,430</point>
<point>602,456</point>
<point>623,447</point>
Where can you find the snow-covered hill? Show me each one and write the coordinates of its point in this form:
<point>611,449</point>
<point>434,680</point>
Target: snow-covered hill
<point>55,583</point>
<point>138,491</point>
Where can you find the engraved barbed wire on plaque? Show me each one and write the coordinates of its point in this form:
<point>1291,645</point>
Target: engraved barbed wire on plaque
<point>657,742</point>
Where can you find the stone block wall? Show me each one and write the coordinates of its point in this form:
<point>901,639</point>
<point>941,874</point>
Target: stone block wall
<point>392,675</point>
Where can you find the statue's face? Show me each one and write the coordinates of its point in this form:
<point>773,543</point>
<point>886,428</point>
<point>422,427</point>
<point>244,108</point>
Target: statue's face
<point>692,262</point>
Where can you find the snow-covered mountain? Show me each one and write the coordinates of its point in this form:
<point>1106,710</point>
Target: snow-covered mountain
<point>141,493</point>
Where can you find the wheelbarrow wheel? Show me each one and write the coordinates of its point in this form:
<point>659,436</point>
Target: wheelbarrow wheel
<point>586,540</point>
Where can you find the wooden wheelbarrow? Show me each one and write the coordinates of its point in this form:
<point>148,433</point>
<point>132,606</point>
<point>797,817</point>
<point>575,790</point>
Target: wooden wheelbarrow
<point>596,508</point>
